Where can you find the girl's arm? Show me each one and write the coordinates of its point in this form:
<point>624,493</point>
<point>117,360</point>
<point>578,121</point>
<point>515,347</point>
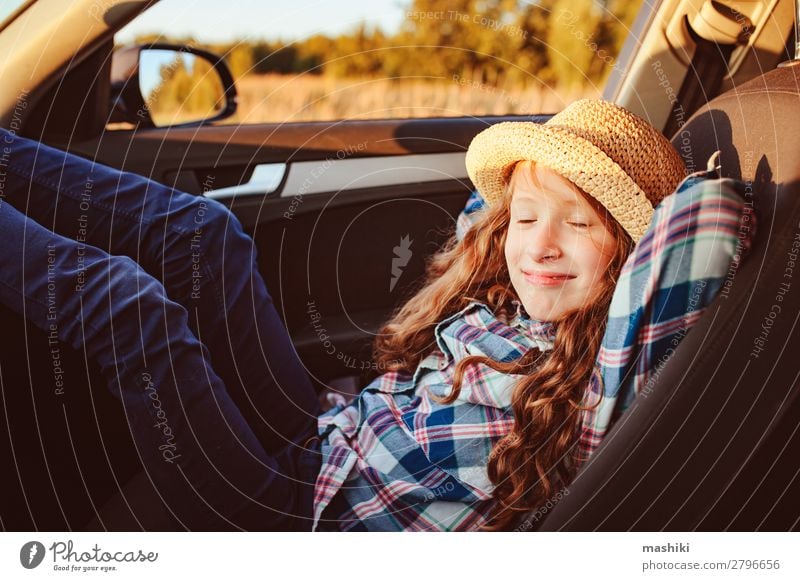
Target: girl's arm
<point>689,255</point>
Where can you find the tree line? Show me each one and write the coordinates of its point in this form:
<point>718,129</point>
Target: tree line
<point>495,42</point>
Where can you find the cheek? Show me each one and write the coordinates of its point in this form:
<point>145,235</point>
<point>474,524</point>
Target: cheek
<point>511,249</point>
<point>600,253</point>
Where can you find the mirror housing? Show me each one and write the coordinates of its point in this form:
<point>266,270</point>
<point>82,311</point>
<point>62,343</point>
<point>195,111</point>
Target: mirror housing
<point>169,85</point>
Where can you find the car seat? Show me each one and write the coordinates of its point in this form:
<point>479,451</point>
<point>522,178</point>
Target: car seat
<point>715,446</point>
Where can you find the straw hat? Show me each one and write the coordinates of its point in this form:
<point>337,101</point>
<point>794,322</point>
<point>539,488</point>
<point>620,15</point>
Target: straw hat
<point>608,152</point>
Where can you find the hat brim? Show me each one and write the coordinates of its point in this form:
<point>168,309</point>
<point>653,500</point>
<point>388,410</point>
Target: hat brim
<point>494,152</point>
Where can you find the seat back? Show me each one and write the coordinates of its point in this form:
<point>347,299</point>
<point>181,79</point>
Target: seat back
<point>715,445</point>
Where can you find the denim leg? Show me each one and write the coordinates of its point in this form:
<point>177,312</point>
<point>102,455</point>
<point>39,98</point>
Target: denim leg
<point>196,446</point>
<point>199,252</point>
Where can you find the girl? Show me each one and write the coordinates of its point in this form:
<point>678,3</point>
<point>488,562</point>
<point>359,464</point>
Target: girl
<point>498,382</point>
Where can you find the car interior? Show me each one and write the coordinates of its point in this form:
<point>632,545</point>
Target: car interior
<point>713,447</point>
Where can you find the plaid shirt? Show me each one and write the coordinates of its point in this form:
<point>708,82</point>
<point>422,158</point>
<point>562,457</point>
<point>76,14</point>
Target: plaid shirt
<point>693,248</point>
<point>396,459</point>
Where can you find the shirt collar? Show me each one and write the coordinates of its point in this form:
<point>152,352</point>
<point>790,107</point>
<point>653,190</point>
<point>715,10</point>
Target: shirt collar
<point>544,331</point>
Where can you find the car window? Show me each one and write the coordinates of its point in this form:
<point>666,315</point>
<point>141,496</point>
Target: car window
<point>314,60</point>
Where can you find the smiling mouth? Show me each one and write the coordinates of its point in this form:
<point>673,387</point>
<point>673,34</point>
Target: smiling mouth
<point>547,278</point>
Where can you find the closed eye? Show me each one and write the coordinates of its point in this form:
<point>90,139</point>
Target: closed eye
<point>579,224</point>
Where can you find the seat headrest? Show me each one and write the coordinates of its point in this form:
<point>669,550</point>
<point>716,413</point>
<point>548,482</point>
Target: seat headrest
<point>756,126</point>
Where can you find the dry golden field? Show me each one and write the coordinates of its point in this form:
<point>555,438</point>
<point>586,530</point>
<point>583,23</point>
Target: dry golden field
<point>291,98</point>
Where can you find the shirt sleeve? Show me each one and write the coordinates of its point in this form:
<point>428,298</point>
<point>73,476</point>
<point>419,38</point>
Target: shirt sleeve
<point>689,255</point>
<point>469,214</point>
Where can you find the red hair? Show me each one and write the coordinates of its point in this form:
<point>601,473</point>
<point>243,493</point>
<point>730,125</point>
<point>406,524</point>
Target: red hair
<point>540,451</point>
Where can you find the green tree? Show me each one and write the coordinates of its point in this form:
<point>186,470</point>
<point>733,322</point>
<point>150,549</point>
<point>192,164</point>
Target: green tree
<point>239,58</point>
<point>572,40</point>
<point>356,54</point>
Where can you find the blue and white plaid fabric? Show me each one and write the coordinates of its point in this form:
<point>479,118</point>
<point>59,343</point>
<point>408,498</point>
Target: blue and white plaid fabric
<point>404,461</point>
<point>469,214</point>
<point>695,244</point>
<point>396,459</point>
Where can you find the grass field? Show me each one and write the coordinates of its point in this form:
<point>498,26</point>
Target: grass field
<point>291,98</point>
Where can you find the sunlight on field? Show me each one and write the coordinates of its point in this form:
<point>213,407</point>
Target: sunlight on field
<point>274,98</point>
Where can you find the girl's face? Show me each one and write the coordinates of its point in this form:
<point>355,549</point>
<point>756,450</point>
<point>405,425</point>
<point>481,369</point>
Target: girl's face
<point>557,248</point>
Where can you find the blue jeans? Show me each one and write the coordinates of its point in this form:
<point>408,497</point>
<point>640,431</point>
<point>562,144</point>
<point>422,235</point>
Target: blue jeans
<point>162,290</point>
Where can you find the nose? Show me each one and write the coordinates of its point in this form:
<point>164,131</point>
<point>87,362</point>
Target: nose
<point>544,245</point>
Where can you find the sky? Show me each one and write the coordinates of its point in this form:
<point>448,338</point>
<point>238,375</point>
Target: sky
<point>225,20</point>
<point>7,7</point>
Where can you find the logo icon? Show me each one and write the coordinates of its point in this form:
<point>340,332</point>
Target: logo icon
<point>31,554</point>
<point>402,254</point>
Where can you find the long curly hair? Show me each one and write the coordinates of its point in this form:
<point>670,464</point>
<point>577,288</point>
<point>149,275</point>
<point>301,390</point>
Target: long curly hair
<point>540,452</point>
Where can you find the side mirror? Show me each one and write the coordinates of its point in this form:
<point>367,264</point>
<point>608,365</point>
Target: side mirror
<point>161,85</point>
